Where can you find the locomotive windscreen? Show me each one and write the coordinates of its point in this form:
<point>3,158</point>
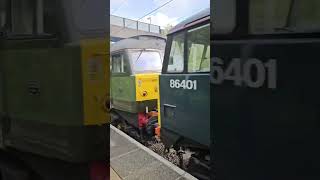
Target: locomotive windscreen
<point>145,61</point>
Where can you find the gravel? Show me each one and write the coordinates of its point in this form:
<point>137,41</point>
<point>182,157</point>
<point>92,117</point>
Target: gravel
<point>158,147</point>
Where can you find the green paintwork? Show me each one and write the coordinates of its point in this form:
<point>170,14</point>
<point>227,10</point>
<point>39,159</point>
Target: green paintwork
<point>56,72</point>
<point>123,88</point>
<point>1,92</point>
<point>188,113</point>
<point>123,93</point>
<point>49,123</point>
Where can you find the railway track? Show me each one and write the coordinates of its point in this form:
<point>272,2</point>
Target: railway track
<point>188,163</point>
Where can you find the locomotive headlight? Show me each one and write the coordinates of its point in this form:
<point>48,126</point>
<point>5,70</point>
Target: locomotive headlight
<point>144,93</point>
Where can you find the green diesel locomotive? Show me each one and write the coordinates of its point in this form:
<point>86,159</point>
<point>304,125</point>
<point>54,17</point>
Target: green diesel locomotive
<point>135,67</point>
<point>265,90</point>
<point>185,91</point>
<point>53,87</point>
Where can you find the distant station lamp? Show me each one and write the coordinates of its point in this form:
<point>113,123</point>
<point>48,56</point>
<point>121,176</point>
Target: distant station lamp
<point>149,18</point>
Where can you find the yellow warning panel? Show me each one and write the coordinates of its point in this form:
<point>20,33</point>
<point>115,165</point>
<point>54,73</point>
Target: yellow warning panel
<point>147,87</point>
<point>95,79</point>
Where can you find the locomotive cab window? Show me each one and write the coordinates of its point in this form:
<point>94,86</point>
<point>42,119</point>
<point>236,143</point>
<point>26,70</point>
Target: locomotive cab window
<point>199,49</point>
<point>176,57</point>
<point>285,16</point>
<point>22,16</point>
<point>118,64</point>
<point>224,16</point>
<point>2,16</point>
<point>30,18</point>
<point>145,61</point>
<point>192,47</point>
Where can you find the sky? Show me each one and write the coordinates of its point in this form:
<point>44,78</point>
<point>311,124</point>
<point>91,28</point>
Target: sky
<point>172,13</point>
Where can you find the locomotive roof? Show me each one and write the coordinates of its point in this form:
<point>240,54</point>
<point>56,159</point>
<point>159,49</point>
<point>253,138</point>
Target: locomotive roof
<point>132,43</point>
<point>201,15</point>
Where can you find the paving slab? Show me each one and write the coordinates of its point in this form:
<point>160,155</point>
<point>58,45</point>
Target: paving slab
<point>114,175</point>
<point>130,160</point>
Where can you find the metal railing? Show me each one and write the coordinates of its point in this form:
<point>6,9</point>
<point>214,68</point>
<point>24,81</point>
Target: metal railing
<point>132,24</point>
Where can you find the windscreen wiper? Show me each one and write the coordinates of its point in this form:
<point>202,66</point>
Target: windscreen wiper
<point>139,55</point>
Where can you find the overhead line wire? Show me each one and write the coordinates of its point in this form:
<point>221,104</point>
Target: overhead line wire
<point>151,12</point>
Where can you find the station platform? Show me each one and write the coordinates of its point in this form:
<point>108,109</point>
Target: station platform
<point>114,175</point>
<point>130,160</point>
